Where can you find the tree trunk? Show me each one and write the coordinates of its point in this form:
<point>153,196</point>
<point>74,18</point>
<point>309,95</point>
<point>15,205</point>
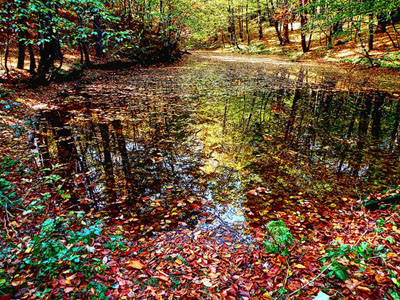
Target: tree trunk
<point>275,23</point>
<point>82,44</point>
<point>50,49</point>
<point>240,21</point>
<point>108,163</point>
<point>303,23</point>
<point>99,36</point>
<point>278,32</point>
<point>259,19</point>
<point>247,23</point>
<point>7,49</point>
<point>382,23</point>
<point>21,44</point>
<point>22,34</point>
<point>285,39</point>
<point>371,33</point>
<point>32,62</point>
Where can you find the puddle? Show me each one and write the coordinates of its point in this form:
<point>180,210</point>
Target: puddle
<point>177,145</point>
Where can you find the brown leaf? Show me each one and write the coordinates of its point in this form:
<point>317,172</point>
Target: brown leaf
<point>364,289</point>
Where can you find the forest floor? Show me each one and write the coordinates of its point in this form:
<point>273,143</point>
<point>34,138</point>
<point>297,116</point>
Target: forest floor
<point>349,254</point>
<point>345,50</point>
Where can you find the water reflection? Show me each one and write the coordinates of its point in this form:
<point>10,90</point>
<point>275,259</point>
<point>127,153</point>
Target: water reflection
<point>161,143</point>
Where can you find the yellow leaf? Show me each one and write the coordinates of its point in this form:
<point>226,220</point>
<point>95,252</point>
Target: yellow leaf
<point>69,279</point>
<point>178,261</point>
<point>135,264</point>
<point>266,294</point>
<point>28,250</point>
<point>214,275</point>
<point>300,266</point>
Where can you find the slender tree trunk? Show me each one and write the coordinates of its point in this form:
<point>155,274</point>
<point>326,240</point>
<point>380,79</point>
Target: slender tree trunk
<point>247,23</point>
<point>286,32</point>
<point>22,34</point>
<point>297,97</point>
<point>276,24</point>
<point>32,62</point>
<point>108,163</point>
<point>50,49</point>
<point>259,19</point>
<point>99,36</point>
<point>382,23</point>
<point>303,23</point>
<point>232,26</point>
<point>371,33</point>
<point>240,21</point>
<point>396,121</point>
<point>7,49</point>
<point>377,116</point>
<point>82,44</point>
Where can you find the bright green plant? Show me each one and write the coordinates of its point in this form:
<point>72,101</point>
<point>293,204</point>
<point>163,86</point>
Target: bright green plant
<point>278,238</point>
<point>8,196</point>
<point>337,257</point>
<point>57,248</point>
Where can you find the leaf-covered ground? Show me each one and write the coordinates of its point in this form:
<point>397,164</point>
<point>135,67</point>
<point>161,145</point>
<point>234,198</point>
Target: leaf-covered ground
<point>51,250</point>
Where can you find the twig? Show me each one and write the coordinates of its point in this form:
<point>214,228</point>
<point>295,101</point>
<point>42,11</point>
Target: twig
<point>361,237</point>
<point>322,272</point>
<point>311,281</point>
<point>8,220</point>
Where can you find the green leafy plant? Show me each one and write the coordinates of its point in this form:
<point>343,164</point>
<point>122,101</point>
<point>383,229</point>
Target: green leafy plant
<point>278,238</point>
<point>8,196</point>
<point>337,257</point>
<point>57,248</point>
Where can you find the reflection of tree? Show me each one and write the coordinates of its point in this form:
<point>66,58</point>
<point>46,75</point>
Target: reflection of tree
<point>138,154</point>
<point>329,136</point>
<point>108,162</point>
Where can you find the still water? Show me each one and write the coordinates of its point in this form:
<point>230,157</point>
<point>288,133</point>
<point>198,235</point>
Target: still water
<point>229,140</point>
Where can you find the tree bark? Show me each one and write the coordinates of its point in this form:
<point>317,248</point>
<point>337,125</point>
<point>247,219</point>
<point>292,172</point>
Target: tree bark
<point>247,23</point>
<point>8,33</point>
<point>285,37</point>
<point>50,49</point>
<point>371,33</point>
<point>259,19</point>
<point>303,23</point>
<point>99,36</point>
<point>32,62</point>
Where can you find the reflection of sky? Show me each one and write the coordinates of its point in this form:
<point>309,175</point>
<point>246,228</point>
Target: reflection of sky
<point>248,90</point>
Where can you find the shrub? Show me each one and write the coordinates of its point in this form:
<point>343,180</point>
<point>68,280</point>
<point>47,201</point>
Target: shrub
<point>278,238</point>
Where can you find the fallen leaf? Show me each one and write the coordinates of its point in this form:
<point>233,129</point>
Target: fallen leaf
<point>135,264</point>
<point>300,266</point>
<point>207,282</point>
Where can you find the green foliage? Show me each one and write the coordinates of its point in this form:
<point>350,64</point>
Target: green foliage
<point>278,238</point>
<point>8,196</point>
<point>56,247</point>
<point>337,257</point>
